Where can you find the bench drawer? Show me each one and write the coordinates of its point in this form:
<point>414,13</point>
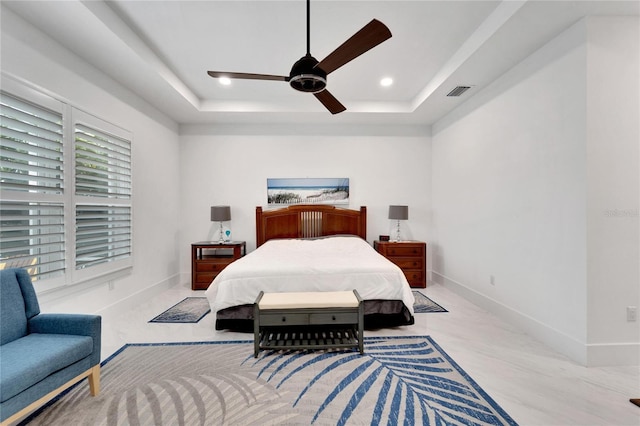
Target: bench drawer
<point>334,318</point>
<point>283,319</point>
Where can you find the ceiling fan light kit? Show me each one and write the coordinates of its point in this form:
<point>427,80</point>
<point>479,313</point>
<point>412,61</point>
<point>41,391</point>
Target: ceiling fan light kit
<point>308,83</point>
<point>305,76</point>
<point>310,75</point>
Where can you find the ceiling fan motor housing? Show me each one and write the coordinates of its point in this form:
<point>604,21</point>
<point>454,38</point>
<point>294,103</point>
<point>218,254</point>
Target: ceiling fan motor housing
<point>306,77</point>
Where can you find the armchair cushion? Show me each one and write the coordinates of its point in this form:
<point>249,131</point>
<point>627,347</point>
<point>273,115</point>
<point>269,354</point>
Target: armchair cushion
<point>21,364</point>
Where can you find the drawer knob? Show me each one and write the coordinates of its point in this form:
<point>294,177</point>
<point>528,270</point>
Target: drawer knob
<point>284,319</point>
<point>333,318</point>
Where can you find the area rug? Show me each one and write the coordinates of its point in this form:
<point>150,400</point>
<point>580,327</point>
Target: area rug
<point>399,380</point>
<point>190,310</point>
<point>424,305</point>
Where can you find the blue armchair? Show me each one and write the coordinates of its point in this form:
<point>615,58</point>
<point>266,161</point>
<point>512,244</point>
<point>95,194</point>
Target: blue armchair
<point>41,355</point>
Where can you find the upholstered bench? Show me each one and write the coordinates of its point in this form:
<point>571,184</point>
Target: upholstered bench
<point>308,320</point>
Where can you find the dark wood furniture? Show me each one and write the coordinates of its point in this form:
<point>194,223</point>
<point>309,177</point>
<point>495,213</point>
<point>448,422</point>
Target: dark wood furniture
<point>208,258</point>
<point>410,256</point>
<point>307,221</point>
<point>300,321</point>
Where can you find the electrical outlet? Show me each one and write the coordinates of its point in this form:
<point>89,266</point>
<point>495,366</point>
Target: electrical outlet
<point>632,313</point>
<point>492,280</point>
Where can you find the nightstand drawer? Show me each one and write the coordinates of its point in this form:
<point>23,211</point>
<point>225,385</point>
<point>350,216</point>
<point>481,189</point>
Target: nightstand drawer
<point>414,277</point>
<point>408,262</point>
<point>205,277</point>
<point>212,266</point>
<point>405,250</point>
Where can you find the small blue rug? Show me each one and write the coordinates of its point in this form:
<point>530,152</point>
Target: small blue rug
<point>424,305</point>
<point>190,310</point>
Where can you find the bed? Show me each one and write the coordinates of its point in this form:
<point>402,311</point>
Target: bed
<point>311,248</point>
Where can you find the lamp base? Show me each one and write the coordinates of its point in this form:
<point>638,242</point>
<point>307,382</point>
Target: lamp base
<point>397,232</point>
<point>221,240</point>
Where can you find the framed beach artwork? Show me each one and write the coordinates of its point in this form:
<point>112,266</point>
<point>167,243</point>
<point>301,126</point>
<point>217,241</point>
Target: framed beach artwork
<point>308,191</point>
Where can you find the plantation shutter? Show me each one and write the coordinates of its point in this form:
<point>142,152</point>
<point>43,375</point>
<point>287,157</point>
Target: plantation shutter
<point>102,171</point>
<point>32,154</point>
<point>103,234</point>
<point>31,172</point>
<point>103,164</point>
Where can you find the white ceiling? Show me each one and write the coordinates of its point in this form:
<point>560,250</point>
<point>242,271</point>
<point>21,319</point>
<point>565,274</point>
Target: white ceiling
<point>161,50</point>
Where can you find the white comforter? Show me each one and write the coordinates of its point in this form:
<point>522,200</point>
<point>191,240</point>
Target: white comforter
<point>326,264</point>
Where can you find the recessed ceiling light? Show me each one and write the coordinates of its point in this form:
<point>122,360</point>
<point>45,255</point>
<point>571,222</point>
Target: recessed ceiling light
<point>385,82</point>
<point>225,81</point>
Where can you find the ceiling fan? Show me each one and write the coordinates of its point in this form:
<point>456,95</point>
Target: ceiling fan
<point>310,75</point>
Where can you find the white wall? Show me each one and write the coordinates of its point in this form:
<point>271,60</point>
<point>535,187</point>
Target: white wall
<point>35,58</point>
<point>512,179</point>
<point>233,170</point>
<point>613,186</point>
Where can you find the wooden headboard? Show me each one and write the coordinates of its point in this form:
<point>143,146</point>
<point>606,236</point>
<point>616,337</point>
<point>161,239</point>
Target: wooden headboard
<point>308,221</point>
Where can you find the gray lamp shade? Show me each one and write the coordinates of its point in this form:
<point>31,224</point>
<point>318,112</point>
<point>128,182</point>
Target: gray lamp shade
<point>399,212</point>
<point>220,213</point>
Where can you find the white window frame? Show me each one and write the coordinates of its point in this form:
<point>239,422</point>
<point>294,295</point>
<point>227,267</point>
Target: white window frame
<point>71,116</point>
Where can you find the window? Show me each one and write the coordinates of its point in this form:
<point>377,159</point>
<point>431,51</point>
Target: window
<point>32,237</point>
<point>103,194</point>
<point>65,185</point>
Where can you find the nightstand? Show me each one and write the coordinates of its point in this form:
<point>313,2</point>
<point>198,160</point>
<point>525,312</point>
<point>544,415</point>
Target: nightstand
<point>410,256</point>
<point>208,258</point>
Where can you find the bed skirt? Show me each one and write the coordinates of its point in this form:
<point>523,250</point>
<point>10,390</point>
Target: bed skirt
<point>377,314</point>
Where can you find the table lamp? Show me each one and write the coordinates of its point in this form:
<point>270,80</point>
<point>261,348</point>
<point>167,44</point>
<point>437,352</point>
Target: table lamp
<point>220,214</point>
<point>398,213</point>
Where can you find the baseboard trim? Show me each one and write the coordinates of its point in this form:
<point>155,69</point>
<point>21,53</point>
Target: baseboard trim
<point>564,344</point>
<point>141,296</point>
<point>613,354</point>
<point>589,355</point>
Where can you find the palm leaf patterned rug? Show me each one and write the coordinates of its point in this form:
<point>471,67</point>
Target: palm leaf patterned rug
<point>398,380</point>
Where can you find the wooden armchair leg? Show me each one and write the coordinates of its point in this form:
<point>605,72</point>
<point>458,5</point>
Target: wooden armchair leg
<point>94,380</point>
<point>94,388</point>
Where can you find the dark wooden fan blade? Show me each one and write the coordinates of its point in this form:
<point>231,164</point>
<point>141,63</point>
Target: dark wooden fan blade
<point>330,102</point>
<point>371,35</point>
<point>247,76</point>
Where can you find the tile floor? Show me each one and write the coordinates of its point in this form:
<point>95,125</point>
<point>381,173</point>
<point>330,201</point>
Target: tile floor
<point>533,383</point>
